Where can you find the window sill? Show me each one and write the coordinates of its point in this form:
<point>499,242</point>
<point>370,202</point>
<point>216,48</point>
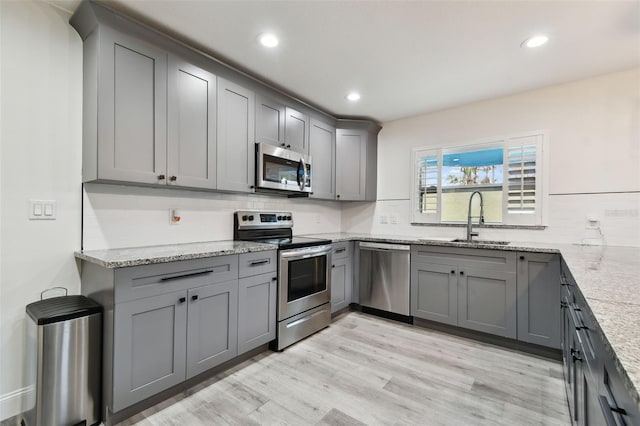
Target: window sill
<point>488,226</point>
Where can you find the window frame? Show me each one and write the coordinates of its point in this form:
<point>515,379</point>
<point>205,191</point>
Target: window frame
<point>537,218</point>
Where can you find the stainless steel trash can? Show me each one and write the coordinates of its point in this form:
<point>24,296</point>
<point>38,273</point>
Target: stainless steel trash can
<point>67,338</point>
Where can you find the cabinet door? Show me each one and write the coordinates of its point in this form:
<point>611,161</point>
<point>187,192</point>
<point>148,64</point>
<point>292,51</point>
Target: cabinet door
<point>434,292</point>
<point>322,148</point>
<point>132,87</point>
<point>538,281</point>
<point>150,337</point>
<point>256,311</point>
<point>236,130</point>
<point>341,284</point>
<point>296,130</point>
<point>212,326</point>
<point>269,121</point>
<point>351,161</point>
<point>487,301</point>
<point>191,144</point>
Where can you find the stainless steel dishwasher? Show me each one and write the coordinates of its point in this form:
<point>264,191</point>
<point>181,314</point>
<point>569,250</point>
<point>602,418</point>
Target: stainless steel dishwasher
<point>384,277</point>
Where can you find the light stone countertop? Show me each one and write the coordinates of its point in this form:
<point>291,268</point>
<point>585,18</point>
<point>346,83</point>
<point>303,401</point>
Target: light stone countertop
<point>607,276</point>
<point>120,258</point>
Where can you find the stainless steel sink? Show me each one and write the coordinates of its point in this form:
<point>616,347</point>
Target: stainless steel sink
<point>487,242</point>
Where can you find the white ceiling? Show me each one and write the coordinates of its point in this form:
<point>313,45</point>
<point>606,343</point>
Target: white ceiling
<point>406,57</point>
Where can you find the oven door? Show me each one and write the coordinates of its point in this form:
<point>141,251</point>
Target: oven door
<point>304,279</point>
<point>279,168</point>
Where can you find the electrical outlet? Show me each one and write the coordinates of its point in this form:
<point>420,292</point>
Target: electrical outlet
<point>592,222</point>
<point>393,219</point>
<point>383,220</point>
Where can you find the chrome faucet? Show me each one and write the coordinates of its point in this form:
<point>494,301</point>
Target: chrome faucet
<point>470,233</point>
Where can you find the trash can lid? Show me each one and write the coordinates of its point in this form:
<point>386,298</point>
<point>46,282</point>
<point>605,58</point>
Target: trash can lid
<point>62,308</point>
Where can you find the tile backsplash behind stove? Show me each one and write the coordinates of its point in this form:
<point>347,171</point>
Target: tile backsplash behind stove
<point>126,216</point>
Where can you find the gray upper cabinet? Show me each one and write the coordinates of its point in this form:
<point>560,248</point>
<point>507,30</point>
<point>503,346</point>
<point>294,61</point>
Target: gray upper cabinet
<point>434,292</point>
<point>212,323</point>
<point>322,148</point>
<point>125,98</point>
<point>351,164</point>
<point>356,160</point>
<point>236,127</point>
<point>538,299</point>
<point>191,126</point>
<point>269,121</point>
<point>150,338</point>
<point>296,131</point>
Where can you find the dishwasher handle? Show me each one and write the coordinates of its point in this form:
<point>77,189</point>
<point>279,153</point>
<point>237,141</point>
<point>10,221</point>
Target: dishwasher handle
<point>384,246</point>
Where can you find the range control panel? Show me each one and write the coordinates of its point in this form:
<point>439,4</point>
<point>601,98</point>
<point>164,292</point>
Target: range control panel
<point>255,219</point>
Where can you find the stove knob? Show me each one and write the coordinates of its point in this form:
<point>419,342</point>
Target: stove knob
<point>280,218</point>
<point>251,217</point>
<point>288,217</point>
<point>245,217</point>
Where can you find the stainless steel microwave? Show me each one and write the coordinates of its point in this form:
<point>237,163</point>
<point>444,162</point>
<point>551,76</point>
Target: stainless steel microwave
<point>281,169</point>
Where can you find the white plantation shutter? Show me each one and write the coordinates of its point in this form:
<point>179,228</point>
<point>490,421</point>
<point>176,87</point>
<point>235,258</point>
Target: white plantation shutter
<point>522,187</point>
<point>426,184</point>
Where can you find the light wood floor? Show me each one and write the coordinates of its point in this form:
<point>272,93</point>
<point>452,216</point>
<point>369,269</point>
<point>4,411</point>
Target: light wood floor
<point>368,370</point>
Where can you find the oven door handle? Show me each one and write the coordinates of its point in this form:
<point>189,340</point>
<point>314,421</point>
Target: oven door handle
<point>303,253</point>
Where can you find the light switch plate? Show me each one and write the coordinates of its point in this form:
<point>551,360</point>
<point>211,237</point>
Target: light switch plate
<point>42,210</point>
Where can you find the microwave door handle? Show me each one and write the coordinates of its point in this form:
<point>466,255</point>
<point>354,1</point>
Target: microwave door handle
<point>301,167</point>
<point>305,176</point>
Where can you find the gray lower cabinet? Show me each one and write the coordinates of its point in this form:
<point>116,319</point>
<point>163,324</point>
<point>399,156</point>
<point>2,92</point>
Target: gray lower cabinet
<point>341,275</point>
<point>470,288</point>
<point>487,301</point>
<point>212,326</point>
<point>235,142</point>
<point>191,126</point>
<point>538,295</point>
<point>149,347</point>
<point>256,310</point>
<point>434,292</point>
<point>322,148</point>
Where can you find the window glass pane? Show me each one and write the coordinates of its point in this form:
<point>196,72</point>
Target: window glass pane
<point>455,205</point>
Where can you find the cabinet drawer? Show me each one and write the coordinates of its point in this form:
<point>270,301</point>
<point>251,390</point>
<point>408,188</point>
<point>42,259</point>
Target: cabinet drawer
<point>341,250</point>
<point>495,260</point>
<point>150,280</point>
<point>256,263</point>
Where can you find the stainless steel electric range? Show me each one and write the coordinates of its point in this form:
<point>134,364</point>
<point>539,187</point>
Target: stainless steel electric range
<point>304,273</point>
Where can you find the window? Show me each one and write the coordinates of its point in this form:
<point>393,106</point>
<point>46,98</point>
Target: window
<point>507,172</point>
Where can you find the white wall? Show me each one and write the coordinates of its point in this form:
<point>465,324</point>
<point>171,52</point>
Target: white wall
<point>124,216</point>
<point>41,86</point>
<point>594,169</point>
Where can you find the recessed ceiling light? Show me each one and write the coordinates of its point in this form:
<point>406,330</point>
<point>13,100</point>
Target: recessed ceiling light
<point>535,41</point>
<point>353,96</point>
<point>268,40</point>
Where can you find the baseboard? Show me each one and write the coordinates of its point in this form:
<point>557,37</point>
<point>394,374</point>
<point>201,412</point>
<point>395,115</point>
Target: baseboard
<point>16,402</point>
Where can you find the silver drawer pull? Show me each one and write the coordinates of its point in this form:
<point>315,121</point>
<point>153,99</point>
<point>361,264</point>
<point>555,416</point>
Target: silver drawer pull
<point>340,250</point>
<point>259,262</point>
<point>195,274</point>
